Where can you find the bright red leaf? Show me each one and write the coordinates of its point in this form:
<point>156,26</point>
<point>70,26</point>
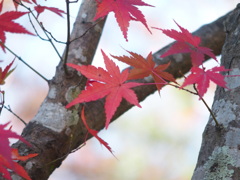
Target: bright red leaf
<point>144,67</point>
<point>6,153</point>
<point>7,25</point>
<point>124,11</point>
<point>5,73</point>
<point>187,43</point>
<point>202,78</point>
<point>110,83</point>
<point>5,149</point>
<point>17,2</point>
<point>40,9</point>
<point>94,132</point>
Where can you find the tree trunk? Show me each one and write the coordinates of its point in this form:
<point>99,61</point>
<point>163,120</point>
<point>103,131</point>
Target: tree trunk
<point>219,157</point>
<point>55,131</point>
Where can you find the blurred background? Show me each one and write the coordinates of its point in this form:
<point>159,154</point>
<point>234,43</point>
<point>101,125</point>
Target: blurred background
<point>161,141</point>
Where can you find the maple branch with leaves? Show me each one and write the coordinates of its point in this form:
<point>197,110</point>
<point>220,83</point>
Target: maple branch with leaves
<point>62,139</point>
<point>95,117</point>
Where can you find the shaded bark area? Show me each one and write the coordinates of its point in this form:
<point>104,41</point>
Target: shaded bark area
<point>219,156</point>
<point>55,131</point>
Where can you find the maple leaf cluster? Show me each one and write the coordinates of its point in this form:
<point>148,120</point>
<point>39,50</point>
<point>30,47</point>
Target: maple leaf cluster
<point>125,11</point>
<point>111,83</point>
<point>114,85</point>
<point>188,43</point>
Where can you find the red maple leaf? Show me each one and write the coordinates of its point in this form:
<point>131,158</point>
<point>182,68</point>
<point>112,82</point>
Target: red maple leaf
<point>17,2</point>
<point>202,78</point>
<point>144,67</point>
<point>5,149</point>
<point>40,9</point>
<point>110,83</point>
<point>7,155</point>
<point>124,11</point>
<point>5,73</point>
<point>94,132</point>
<point>187,43</point>
<point>7,25</point>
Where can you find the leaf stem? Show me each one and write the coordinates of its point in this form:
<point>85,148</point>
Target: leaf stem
<point>213,116</point>
<point>64,156</point>
<point>184,89</point>
<point>209,109</point>
<point>10,110</point>
<point>42,27</point>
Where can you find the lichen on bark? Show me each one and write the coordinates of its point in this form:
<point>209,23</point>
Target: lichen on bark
<point>221,146</point>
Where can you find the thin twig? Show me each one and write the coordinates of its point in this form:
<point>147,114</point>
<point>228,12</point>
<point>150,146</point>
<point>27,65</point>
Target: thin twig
<point>187,90</point>
<point>60,42</point>
<point>46,34</point>
<point>24,62</point>
<point>44,29</point>
<point>73,1</point>
<point>30,20</point>
<point>209,109</point>
<point>68,37</point>
<point>2,101</point>
<point>74,150</point>
<point>176,86</point>
<point>10,110</point>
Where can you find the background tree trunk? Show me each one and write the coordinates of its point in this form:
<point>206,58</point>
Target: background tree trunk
<point>55,131</point>
<point>219,157</point>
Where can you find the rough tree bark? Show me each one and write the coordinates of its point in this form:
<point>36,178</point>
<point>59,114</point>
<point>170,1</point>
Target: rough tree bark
<point>219,157</point>
<point>55,131</point>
